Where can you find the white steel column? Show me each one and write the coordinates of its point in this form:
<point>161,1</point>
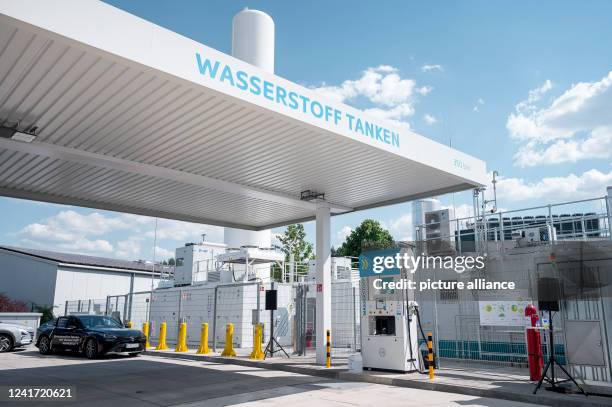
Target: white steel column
<point>323,279</point>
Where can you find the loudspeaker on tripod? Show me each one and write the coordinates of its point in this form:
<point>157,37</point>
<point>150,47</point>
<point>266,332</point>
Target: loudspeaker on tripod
<point>549,294</point>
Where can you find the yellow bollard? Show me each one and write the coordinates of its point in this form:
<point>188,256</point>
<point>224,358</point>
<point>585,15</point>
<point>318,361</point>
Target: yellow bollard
<point>203,349</point>
<point>145,331</point>
<point>229,341</point>
<point>430,355</point>
<point>161,345</point>
<point>257,339</point>
<point>328,349</point>
<point>181,344</point>
<point>129,324</point>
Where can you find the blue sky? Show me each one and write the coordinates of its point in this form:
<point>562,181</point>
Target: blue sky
<point>526,86</point>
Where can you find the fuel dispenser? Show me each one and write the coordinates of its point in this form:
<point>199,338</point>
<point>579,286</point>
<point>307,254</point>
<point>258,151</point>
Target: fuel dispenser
<point>389,338</point>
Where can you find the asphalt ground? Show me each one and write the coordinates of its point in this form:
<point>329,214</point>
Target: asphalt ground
<point>118,380</point>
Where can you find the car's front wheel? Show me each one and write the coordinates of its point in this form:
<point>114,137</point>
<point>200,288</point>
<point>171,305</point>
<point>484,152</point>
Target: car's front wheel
<point>44,345</point>
<point>91,349</point>
<point>6,343</point>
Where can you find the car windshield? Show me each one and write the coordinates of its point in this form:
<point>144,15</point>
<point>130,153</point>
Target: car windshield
<point>95,321</point>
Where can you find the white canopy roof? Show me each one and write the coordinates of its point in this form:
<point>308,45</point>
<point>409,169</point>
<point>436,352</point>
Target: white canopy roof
<point>135,118</point>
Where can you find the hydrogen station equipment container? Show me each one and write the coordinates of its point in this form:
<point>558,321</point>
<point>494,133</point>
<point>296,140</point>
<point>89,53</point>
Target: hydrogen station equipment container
<point>389,338</point>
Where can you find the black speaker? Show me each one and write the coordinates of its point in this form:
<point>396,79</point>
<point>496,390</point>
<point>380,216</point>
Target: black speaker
<point>549,294</point>
<point>271,297</point>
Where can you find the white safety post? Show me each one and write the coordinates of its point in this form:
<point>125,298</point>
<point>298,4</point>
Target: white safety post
<point>323,279</point>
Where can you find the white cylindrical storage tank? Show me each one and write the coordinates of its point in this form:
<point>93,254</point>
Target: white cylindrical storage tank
<point>419,208</point>
<point>253,38</point>
<point>235,238</point>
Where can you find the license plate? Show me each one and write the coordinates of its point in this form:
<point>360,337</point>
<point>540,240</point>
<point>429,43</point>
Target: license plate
<point>132,345</point>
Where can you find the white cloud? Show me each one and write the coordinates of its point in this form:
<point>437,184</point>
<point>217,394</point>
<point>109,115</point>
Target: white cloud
<point>390,96</point>
<point>429,119</point>
<point>93,233</point>
<point>431,68</point>
<point>424,90</point>
<point>401,228</point>
<point>461,211</point>
<point>163,254</point>
<point>183,231</point>
<point>591,183</point>
<point>342,234</point>
<point>597,145</point>
<point>128,249</point>
<point>70,231</point>
<point>479,102</point>
<point>575,126</point>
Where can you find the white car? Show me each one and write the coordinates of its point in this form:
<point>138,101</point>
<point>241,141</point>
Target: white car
<point>14,336</point>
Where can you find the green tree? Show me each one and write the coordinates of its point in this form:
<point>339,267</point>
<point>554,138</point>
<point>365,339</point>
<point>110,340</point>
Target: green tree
<point>293,241</point>
<point>171,261</point>
<point>370,232</point>
<point>45,310</point>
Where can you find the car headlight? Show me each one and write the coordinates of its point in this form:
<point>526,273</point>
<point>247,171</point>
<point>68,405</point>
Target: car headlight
<point>109,336</point>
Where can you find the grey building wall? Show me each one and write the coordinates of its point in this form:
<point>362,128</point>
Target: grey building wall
<point>27,279</point>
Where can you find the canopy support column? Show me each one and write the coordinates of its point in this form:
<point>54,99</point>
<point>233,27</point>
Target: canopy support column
<point>323,279</point>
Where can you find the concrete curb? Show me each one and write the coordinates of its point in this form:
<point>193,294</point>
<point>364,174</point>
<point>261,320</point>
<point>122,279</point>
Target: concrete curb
<point>568,400</point>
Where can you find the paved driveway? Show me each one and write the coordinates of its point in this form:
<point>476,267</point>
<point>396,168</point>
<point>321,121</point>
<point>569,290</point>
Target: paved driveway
<point>144,381</point>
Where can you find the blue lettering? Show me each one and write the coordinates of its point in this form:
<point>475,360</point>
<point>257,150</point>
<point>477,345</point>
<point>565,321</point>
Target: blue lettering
<point>203,67</point>
<point>318,113</point>
<point>369,129</point>
<point>226,74</point>
<point>328,113</point>
<point>359,126</point>
<point>378,136</point>
<point>280,95</point>
<point>350,117</point>
<point>305,102</point>
<point>337,116</point>
<point>293,100</point>
<point>268,90</point>
<point>255,85</point>
<point>395,139</point>
<point>241,79</point>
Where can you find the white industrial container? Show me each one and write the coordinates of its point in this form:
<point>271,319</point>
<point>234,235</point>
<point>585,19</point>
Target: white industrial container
<point>194,261</point>
<point>253,38</point>
<point>439,231</point>
<point>419,209</point>
<point>236,304</point>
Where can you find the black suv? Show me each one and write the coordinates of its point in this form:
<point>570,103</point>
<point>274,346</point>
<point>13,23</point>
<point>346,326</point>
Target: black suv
<point>92,335</point>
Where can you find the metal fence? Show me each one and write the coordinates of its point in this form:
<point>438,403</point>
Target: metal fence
<point>242,304</point>
<point>454,317</point>
<point>577,220</point>
<point>581,324</point>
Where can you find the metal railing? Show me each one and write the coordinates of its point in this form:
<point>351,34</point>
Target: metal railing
<point>584,219</point>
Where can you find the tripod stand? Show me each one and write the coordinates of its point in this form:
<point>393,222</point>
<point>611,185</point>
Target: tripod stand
<point>552,361</point>
<point>270,346</point>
